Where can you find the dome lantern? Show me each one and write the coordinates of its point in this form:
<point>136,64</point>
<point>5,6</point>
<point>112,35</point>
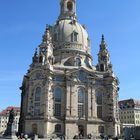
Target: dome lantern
<point>68,9</point>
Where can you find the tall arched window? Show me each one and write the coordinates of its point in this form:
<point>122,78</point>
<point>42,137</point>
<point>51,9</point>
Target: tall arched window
<point>81,102</point>
<point>74,37</point>
<point>70,6</point>
<point>98,97</point>
<point>57,100</point>
<point>99,103</point>
<point>34,128</point>
<point>37,94</point>
<point>37,100</point>
<point>56,36</point>
<point>101,67</point>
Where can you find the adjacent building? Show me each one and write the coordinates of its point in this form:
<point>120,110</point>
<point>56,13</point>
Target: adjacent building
<point>130,112</point>
<point>63,92</point>
<point>130,118</point>
<point>4,117</point>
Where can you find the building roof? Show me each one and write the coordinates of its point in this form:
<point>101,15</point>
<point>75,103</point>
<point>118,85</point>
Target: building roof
<point>65,28</point>
<point>7,110</point>
<point>129,103</point>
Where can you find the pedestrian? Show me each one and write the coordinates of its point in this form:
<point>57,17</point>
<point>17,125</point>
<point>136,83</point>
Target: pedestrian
<point>75,137</point>
<point>26,136</point>
<point>33,137</point>
<point>105,137</point>
<point>89,136</point>
<point>21,136</point>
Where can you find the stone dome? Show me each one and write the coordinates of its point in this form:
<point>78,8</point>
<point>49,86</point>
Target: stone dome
<point>68,34</point>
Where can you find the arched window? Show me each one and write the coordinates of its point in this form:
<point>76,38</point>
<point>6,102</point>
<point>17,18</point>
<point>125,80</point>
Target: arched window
<point>37,94</point>
<point>57,94</point>
<point>101,67</point>
<point>56,36</point>
<point>57,100</point>
<point>81,102</point>
<point>70,6</point>
<point>78,62</point>
<point>37,101</point>
<point>99,103</point>
<point>34,128</point>
<point>74,37</point>
<point>99,98</point>
<point>40,59</point>
<point>58,128</point>
<point>82,76</point>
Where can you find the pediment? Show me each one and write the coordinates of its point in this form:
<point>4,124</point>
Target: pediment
<point>81,74</point>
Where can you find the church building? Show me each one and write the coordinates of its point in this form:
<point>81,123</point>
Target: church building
<point>63,92</point>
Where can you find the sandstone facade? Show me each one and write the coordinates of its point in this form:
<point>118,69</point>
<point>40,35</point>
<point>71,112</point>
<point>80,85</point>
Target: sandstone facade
<point>63,93</point>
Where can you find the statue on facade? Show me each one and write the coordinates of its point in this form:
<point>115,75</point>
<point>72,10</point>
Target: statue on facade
<point>47,38</point>
<point>46,48</point>
<point>8,132</point>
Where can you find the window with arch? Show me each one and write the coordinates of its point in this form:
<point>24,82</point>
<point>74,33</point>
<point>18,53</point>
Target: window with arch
<point>81,102</point>
<point>99,98</point>
<point>58,128</point>
<point>34,128</point>
<point>102,67</point>
<point>56,36</point>
<point>74,37</point>
<point>82,76</point>
<point>38,94</point>
<point>57,101</point>
<point>40,59</point>
<point>78,62</point>
<point>99,103</point>
<point>37,101</point>
<point>69,5</point>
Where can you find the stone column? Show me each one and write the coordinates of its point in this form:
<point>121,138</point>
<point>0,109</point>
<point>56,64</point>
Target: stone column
<point>50,100</point>
<point>68,89</point>
<point>94,105</point>
<point>89,101</point>
<point>74,97</point>
<point>46,100</point>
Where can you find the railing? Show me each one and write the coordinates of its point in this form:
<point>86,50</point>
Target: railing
<point>71,45</point>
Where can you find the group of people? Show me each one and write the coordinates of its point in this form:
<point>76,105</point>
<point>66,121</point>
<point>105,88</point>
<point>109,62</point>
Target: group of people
<point>77,136</point>
<point>80,136</point>
<point>89,136</point>
<point>23,136</point>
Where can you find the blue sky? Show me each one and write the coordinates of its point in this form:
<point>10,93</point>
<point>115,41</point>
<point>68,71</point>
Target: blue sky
<point>22,24</point>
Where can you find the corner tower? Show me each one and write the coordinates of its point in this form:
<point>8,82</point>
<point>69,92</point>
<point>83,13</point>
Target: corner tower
<point>104,57</point>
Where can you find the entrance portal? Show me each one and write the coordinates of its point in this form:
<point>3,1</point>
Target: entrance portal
<point>81,131</point>
<point>34,128</point>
